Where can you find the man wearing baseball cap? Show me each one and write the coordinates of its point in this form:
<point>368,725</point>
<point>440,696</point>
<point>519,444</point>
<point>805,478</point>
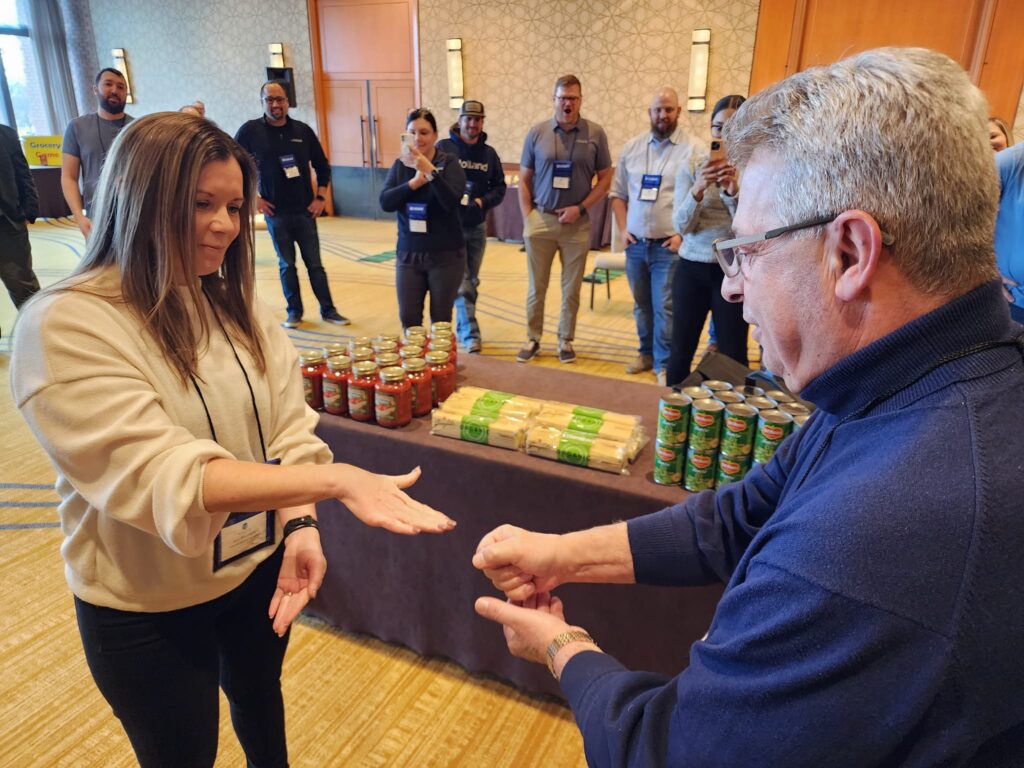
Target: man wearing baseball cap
<point>485,188</point>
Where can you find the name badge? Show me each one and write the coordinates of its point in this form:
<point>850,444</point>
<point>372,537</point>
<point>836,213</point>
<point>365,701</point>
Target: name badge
<point>290,167</point>
<point>417,213</point>
<point>243,533</point>
<point>468,193</point>
<point>650,186</point>
<point>562,174</point>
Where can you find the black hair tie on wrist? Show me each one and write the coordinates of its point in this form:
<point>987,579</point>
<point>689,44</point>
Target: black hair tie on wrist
<point>306,521</point>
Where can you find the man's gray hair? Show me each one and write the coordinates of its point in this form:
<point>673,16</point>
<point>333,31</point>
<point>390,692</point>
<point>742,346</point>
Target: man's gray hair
<point>898,132</point>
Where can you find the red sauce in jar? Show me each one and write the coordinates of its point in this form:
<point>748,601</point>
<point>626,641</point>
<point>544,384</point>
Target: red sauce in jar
<point>419,380</point>
<point>361,389</point>
<point>393,398</point>
<point>311,363</point>
<point>442,376</point>
<point>339,371</point>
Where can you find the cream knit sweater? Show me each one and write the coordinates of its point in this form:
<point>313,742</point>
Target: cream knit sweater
<point>130,444</point>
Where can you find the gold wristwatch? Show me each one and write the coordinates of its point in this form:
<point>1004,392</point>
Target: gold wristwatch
<point>562,640</point>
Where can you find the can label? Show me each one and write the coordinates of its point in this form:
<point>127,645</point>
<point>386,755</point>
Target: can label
<point>738,430</point>
<point>772,429</point>
<point>668,463</point>
<point>705,425</point>
<point>699,474</point>
<point>730,470</point>
<point>673,418</point>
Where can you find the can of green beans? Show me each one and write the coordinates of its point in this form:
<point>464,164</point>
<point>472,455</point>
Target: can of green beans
<point>697,393</point>
<point>779,396</point>
<point>795,409</point>
<point>762,403</point>
<point>738,429</point>
<point>715,385</point>
<point>730,470</point>
<point>674,417</point>
<point>668,462</point>
<point>728,397</point>
<point>772,429</point>
<point>699,474</point>
<point>705,424</point>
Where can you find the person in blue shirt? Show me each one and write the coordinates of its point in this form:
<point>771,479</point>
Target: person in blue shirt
<point>874,600</point>
<point>1010,227</point>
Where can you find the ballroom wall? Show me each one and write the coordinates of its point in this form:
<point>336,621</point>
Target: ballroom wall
<point>515,49</point>
<point>214,50</point>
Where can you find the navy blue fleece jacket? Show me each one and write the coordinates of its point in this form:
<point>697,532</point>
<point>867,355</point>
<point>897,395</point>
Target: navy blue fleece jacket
<point>442,197</point>
<point>485,179</point>
<point>874,612</point>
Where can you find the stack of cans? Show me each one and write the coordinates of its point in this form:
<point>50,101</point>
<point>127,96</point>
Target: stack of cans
<point>711,434</point>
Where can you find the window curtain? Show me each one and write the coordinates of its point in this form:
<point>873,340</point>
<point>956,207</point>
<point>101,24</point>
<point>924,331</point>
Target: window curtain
<point>51,48</point>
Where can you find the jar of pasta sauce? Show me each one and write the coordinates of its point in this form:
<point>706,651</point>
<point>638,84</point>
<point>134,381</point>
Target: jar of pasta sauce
<point>388,360</point>
<point>419,380</point>
<point>357,342</point>
<point>361,389</point>
<point>389,337</point>
<point>442,376</point>
<point>440,325</point>
<point>393,398</point>
<point>442,344</point>
<point>311,363</point>
<point>334,348</point>
<point>411,350</point>
<point>361,355</point>
<point>339,371</point>
<point>413,331</point>
<point>382,346</point>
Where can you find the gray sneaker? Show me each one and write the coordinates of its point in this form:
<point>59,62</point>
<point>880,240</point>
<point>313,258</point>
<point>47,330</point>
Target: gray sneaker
<point>641,364</point>
<point>566,354</point>
<point>293,321</point>
<point>662,379</point>
<point>474,346</point>
<point>528,352</point>
<point>334,317</point>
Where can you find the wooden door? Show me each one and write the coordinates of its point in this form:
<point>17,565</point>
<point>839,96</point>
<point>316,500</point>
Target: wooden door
<point>982,35</point>
<point>348,124</point>
<point>390,102</point>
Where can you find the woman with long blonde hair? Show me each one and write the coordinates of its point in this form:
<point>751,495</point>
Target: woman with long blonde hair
<point>171,405</point>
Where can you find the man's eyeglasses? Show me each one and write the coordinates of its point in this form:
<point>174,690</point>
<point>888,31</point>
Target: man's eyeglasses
<point>570,99</point>
<point>730,259</point>
<point>275,99</point>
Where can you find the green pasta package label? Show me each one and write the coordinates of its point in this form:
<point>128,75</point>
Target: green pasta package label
<point>574,448</point>
<point>586,420</point>
<point>475,428</point>
<point>490,404</point>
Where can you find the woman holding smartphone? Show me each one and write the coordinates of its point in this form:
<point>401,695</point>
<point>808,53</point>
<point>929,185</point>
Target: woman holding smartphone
<point>706,193</point>
<point>171,405</point>
<point>424,187</point>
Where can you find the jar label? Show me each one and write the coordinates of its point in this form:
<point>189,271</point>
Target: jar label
<point>358,401</point>
<point>332,395</point>
<point>386,406</point>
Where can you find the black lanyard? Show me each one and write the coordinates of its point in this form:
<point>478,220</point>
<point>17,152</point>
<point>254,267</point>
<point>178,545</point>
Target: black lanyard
<point>1018,341</point>
<point>252,395</point>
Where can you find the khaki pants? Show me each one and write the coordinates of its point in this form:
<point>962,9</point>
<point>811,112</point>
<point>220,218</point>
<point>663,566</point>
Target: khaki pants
<point>543,235</point>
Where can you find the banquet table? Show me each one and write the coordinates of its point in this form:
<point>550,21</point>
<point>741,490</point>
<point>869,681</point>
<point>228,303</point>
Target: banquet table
<point>419,591</point>
<point>505,221</point>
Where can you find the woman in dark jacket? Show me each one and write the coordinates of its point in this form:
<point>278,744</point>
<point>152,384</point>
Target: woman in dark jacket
<point>424,187</point>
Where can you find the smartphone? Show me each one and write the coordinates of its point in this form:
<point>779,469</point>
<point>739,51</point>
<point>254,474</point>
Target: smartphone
<point>407,140</point>
<point>717,149</point>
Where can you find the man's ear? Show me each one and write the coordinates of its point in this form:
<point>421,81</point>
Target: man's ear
<point>855,247</point>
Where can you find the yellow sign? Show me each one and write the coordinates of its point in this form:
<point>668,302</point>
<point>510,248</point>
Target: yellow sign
<point>43,150</point>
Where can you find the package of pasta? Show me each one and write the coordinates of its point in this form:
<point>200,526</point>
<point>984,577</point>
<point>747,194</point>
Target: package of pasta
<point>593,421</point>
<point>499,431</point>
<point>579,448</point>
<point>490,399</point>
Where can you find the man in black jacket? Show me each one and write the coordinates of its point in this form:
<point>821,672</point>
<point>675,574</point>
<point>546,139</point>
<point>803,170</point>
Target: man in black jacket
<point>284,149</point>
<point>19,207</point>
<point>485,188</point>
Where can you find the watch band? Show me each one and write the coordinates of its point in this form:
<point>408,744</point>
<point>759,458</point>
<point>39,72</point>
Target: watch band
<point>562,640</point>
<point>434,174</point>
<point>306,521</point>
<point>321,198</point>
<point>583,209</point>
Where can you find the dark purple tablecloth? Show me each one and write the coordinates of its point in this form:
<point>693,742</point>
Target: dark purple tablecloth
<point>419,591</point>
<point>51,198</point>
<point>506,221</point>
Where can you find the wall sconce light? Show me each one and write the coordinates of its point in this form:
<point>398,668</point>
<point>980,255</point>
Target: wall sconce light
<point>700,55</point>
<point>276,54</point>
<point>122,66</point>
<point>456,86</point>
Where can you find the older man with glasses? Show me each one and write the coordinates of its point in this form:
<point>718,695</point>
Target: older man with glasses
<point>284,150</point>
<point>873,607</point>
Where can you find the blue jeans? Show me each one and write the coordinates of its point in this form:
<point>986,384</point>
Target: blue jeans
<point>287,230</point>
<point>649,268</point>
<point>160,673</point>
<point>465,304</point>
